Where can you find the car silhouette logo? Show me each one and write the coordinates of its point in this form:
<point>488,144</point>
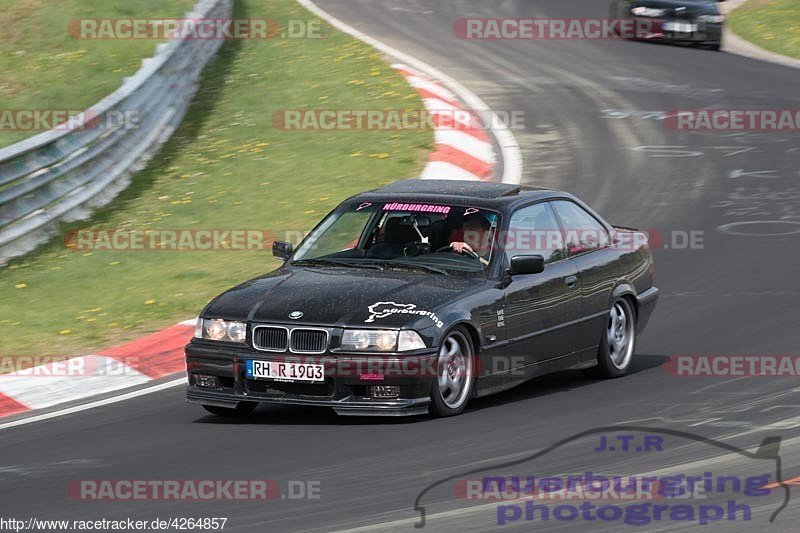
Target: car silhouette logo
<point>294,315</point>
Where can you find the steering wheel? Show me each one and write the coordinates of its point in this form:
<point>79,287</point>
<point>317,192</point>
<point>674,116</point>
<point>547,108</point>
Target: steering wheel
<point>464,251</point>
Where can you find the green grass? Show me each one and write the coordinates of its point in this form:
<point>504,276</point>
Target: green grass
<point>43,67</point>
<point>771,24</point>
<point>226,167</point>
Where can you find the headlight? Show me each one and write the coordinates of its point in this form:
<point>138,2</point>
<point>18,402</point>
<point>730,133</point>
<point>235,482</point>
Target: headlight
<point>371,340</point>
<point>237,331</point>
<point>409,340</point>
<point>716,19</point>
<point>381,340</point>
<point>642,11</point>
<point>220,330</point>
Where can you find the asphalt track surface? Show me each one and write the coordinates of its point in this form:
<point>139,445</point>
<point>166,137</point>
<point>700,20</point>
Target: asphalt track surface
<point>737,295</point>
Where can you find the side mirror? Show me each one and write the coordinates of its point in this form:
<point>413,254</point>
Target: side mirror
<point>282,250</point>
<point>526,264</point>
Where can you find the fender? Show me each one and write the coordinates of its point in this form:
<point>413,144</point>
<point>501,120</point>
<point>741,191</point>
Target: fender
<point>451,322</point>
<point>622,288</point>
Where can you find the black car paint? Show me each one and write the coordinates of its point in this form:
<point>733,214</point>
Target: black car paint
<point>518,330</point>
<point>676,10</point>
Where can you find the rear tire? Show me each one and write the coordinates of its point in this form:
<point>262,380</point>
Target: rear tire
<point>455,369</point>
<point>618,342</point>
<point>241,410</point>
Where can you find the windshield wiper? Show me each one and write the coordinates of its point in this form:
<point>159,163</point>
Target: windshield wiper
<point>414,266</point>
<point>333,262</point>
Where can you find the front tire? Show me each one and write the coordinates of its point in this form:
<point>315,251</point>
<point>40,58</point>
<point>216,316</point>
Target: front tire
<point>455,370</point>
<point>618,341</point>
<point>241,410</point>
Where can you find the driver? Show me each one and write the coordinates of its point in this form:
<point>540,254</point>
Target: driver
<point>475,229</point>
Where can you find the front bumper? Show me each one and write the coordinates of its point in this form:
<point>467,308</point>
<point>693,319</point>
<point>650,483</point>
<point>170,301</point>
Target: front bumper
<point>347,387</point>
<point>664,30</point>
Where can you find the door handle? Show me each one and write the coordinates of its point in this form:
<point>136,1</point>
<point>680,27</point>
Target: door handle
<point>571,281</point>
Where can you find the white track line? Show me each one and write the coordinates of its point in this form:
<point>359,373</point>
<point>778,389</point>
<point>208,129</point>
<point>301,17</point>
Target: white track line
<point>92,405</point>
<point>69,380</point>
<point>512,157</point>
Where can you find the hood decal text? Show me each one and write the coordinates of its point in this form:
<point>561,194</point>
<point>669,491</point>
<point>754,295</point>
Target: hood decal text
<point>384,309</point>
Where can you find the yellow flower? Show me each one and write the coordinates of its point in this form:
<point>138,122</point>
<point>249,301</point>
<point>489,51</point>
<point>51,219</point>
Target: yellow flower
<point>149,302</point>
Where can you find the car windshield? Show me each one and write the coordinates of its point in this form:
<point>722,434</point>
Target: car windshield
<point>434,238</point>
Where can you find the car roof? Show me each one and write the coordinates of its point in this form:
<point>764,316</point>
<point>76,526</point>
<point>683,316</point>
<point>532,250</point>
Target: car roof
<point>477,193</point>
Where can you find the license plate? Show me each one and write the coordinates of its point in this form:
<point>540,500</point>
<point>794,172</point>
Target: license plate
<point>284,371</point>
<point>680,26</point>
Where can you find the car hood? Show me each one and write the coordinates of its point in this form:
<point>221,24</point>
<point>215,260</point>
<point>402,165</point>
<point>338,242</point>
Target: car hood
<point>341,297</point>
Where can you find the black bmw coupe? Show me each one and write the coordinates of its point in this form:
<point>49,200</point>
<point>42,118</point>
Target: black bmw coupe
<point>696,22</point>
<point>418,296</point>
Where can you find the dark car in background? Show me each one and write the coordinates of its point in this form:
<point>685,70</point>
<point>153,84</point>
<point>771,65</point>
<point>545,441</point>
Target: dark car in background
<point>696,22</point>
<point>418,296</point>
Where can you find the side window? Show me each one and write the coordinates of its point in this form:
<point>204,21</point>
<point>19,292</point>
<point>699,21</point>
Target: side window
<point>533,230</point>
<point>584,233</point>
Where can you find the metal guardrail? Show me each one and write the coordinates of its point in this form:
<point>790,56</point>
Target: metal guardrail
<point>61,175</point>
